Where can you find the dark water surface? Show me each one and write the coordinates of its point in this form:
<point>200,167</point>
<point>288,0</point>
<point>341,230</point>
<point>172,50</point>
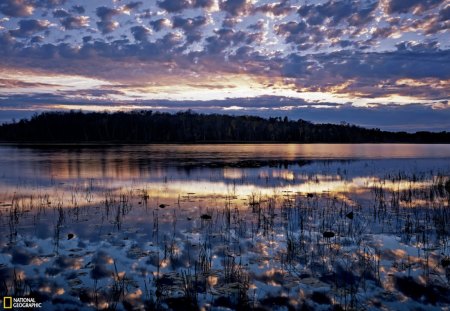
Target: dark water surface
<point>222,227</point>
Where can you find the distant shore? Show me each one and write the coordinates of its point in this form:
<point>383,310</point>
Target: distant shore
<point>147,127</point>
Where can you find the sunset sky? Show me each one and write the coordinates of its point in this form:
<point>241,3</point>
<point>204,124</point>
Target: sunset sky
<point>379,63</point>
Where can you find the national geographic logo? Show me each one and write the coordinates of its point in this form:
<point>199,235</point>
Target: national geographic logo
<point>20,303</point>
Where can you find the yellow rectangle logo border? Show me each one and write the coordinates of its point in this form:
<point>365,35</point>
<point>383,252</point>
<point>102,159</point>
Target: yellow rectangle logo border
<point>5,305</point>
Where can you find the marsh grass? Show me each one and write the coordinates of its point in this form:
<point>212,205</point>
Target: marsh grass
<point>244,252</point>
<point>14,284</point>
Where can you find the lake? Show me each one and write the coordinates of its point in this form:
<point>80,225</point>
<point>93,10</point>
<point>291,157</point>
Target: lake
<point>222,227</point>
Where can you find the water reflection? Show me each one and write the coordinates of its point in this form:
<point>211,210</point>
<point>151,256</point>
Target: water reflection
<point>136,161</point>
<point>271,226</point>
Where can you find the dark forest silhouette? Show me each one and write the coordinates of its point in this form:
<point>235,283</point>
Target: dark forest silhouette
<point>189,127</point>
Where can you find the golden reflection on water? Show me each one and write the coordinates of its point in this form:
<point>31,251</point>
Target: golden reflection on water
<point>128,162</point>
<point>170,172</point>
<point>173,189</point>
<point>232,173</point>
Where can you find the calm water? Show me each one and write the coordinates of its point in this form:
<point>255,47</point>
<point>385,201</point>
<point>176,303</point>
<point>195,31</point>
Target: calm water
<point>226,226</point>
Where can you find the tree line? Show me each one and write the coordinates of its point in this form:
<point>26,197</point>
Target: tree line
<point>190,127</point>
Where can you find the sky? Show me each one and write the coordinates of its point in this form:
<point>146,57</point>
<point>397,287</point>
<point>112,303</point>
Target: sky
<point>375,63</point>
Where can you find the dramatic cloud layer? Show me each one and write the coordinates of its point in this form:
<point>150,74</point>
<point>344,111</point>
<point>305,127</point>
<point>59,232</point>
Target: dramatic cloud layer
<point>331,60</point>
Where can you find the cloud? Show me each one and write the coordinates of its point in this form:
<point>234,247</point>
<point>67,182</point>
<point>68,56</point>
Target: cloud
<point>369,75</point>
<point>37,39</point>
<point>229,22</point>
<point>282,8</point>
<point>159,24</point>
<point>75,22</point>
<point>295,66</point>
<point>10,83</point>
<point>7,43</point>
<point>190,27</point>
<point>364,14</point>
<point>294,32</point>
<point>175,6</point>
<point>29,27</point>
<point>16,8</point>
<point>106,24</point>
<point>88,93</point>
<point>49,3</point>
<point>400,6</point>
<point>78,9</point>
<point>259,25</point>
<point>224,38</point>
<point>133,5</point>
<point>202,3</point>
<point>344,65</point>
<point>187,24</point>
<point>293,28</point>
<point>444,14</point>
<point>68,21</point>
<point>140,33</point>
<point>236,7</point>
<point>106,13</point>
<point>329,24</point>
<point>336,12</point>
<point>22,8</point>
<point>59,13</point>
<point>418,47</point>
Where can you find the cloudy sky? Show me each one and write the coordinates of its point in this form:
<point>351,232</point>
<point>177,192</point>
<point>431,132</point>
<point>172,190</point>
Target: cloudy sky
<point>376,63</point>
